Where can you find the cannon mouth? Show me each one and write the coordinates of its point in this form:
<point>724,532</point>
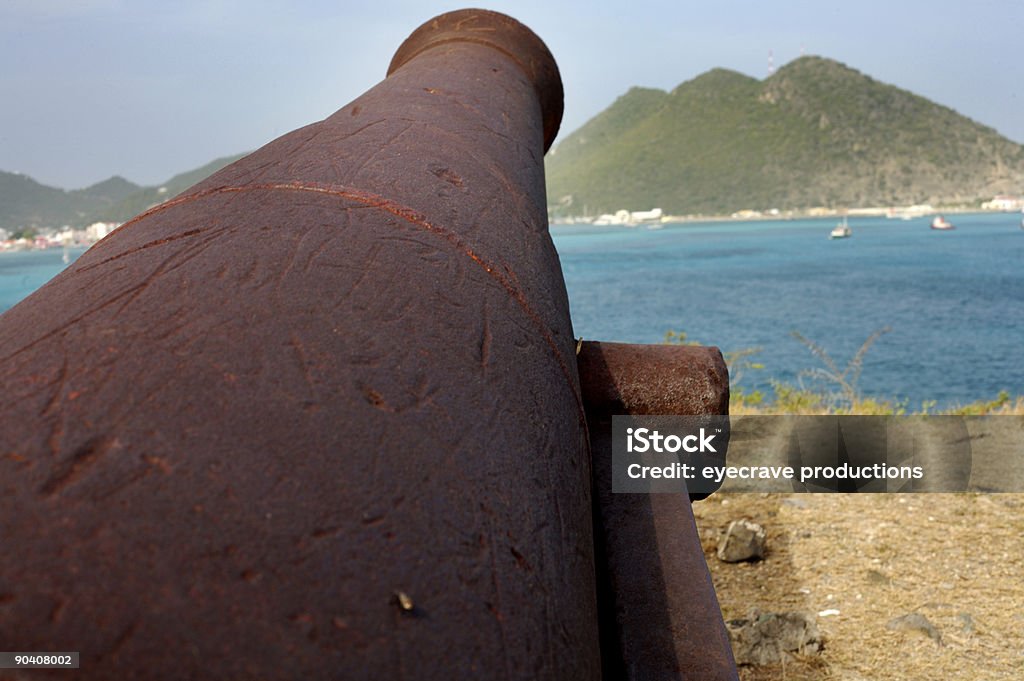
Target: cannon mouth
<point>500,32</point>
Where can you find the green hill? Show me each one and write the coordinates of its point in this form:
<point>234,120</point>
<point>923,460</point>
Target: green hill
<point>815,133</point>
<point>140,200</point>
<point>25,203</point>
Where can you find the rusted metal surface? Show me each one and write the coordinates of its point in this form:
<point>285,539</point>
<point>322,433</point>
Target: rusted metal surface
<point>319,416</point>
<point>660,618</point>
<point>623,378</point>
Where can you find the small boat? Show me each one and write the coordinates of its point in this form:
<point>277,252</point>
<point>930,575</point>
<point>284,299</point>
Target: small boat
<point>841,231</point>
<point>942,223</point>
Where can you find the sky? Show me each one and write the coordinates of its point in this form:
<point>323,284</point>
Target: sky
<point>146,89</point>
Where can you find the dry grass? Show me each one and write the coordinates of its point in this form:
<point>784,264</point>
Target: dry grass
<point>874,557</point>
<point>1012,407</point>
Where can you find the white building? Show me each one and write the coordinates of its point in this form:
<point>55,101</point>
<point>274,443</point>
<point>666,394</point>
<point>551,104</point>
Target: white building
<point>98,230</point>
<point>1007,203</point>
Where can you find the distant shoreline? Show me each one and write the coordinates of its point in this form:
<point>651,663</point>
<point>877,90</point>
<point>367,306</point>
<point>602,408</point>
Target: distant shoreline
<point>787,216</point>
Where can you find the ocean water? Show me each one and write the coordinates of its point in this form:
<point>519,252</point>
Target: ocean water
<point>954,300</point>
<point>22,272</point>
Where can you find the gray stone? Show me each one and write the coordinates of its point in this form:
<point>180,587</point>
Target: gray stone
<point>967,626</point>
<point>743,540</point>
<point>879,578</point>
<point>767,638</point>
<point>917,623</point>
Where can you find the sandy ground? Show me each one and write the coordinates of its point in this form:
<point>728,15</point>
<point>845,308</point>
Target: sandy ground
<point>957,559</point>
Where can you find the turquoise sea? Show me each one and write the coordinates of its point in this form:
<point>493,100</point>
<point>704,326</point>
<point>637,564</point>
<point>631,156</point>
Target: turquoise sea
<point>22,272</point>
<point>954,300</point>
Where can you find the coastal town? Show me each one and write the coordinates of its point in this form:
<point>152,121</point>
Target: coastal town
<point>42,238</point>
<point>656,217</point>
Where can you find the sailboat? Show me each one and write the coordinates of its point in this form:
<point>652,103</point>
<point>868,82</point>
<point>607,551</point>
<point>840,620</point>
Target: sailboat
<point>841,231</point>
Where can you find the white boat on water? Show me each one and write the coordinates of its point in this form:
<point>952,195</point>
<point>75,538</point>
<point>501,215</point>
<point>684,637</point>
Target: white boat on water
<point>841,231</point>
<point>942,223</point>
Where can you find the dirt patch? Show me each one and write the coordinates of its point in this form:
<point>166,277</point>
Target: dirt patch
<point>956,559</point>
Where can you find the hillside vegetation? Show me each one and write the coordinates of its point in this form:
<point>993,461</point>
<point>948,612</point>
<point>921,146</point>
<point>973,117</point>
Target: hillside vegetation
<point>26,203</point>
<point>145,197</point>
<point>815,133</point>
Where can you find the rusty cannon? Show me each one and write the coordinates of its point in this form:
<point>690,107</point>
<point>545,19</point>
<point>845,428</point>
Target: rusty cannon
<point>320,416</point>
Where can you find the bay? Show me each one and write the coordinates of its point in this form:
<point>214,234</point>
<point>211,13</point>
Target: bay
<point>22,272</point>
<point>954,301</point>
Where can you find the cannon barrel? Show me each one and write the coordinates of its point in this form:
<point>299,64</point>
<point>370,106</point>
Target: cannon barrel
<point>659,615</point>
<point>319,416</point>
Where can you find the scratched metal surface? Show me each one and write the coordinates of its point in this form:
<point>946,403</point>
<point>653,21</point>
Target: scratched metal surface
<point>318,416</point>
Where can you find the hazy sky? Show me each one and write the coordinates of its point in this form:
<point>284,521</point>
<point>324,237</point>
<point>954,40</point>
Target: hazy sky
<point>146,89</point>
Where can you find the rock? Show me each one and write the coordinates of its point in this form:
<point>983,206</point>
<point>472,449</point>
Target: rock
<point>966,623</point>
<point>915,622</point>
<point>767,638</point>
<point>878,577</point>
<point>743,540</point>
